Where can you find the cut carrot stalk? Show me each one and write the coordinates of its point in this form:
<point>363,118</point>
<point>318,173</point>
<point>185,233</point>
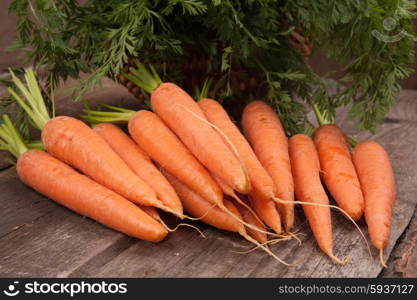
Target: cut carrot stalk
<point>58,181</point>
<point>377,180</point>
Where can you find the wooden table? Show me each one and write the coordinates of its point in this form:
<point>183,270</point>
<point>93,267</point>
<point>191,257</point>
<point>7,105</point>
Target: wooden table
<point>41,238</point>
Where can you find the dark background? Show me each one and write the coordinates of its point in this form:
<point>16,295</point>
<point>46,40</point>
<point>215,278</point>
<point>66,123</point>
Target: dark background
<point>7,59</point>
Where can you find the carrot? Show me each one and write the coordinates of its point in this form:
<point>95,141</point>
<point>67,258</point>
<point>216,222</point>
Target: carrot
<point>232,194</point>
<point>248,217</point>
<point>212,215</point>
<point>161,144</point>
<point>151,211</point>
<point>338,171</point>
<point>379,189</point>
<point>73,142</point>
<point>64,185</point>
<point>262,184</point>
<point>185,118</point>
<point>308,188</point>
<point>140,163</point>
<point>260,180</point>
<point>270,144</point>
<point>267,211</point>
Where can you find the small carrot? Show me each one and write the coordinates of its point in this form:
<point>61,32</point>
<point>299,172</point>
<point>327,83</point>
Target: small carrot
<point>379,189</point>
<point>308,188</point>
<point>232,194</point>
<point>73,142</point>
<point>141,164</point>
<point>264,131</point>
<point>338,171</point>
<point>250,218</point>
<point>64,185</point>
<point>151,211</point>
<point>267,211</point>
<point>251,228</point>
<point>208,213</point>
<point>185,118</point>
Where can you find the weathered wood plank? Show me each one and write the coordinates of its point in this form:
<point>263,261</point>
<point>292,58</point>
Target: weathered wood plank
<point>19,206</point>
<point>41,238</point>
<point>60,243</point>
<point>403,260</point>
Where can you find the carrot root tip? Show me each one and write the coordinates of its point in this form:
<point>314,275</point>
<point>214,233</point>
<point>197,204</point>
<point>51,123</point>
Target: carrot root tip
<point>337,260</point>
<point>381,258</point>
<point>264,248</point>
<point>292,235</point>
<point>184,225</point>
<point>278,200</point>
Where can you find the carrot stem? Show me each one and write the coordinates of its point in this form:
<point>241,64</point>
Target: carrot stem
<point>10,138</point>
<point>146,79</point>
<point>32,101</point>
<point>119,115</point>
<point>321,119</point>
<point>34,145</point>
<point>203,93</point>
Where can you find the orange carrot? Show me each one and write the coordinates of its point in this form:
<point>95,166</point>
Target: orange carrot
<point>260,180</point>
<point>248,217</point>
<point>151,211</point>
<point>140,164</point>
<point>228,191</point>
<point>379,189</point>
<point>183,115</point>
<point>203,209</point>
<point>76,144</point>
<point>270,144</point>
<point>161,144</point>
<point>338,172</point>
<point>266,210</point>
<point>56,180</point>
<point>308,188</point>
<point>262,185</point>
<point>212,215</point>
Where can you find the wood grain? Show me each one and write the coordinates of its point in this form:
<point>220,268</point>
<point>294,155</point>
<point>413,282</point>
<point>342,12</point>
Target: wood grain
<point>41,238</point>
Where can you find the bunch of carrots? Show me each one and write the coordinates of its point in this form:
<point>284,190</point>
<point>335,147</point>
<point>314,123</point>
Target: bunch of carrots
<point>188,158</point>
